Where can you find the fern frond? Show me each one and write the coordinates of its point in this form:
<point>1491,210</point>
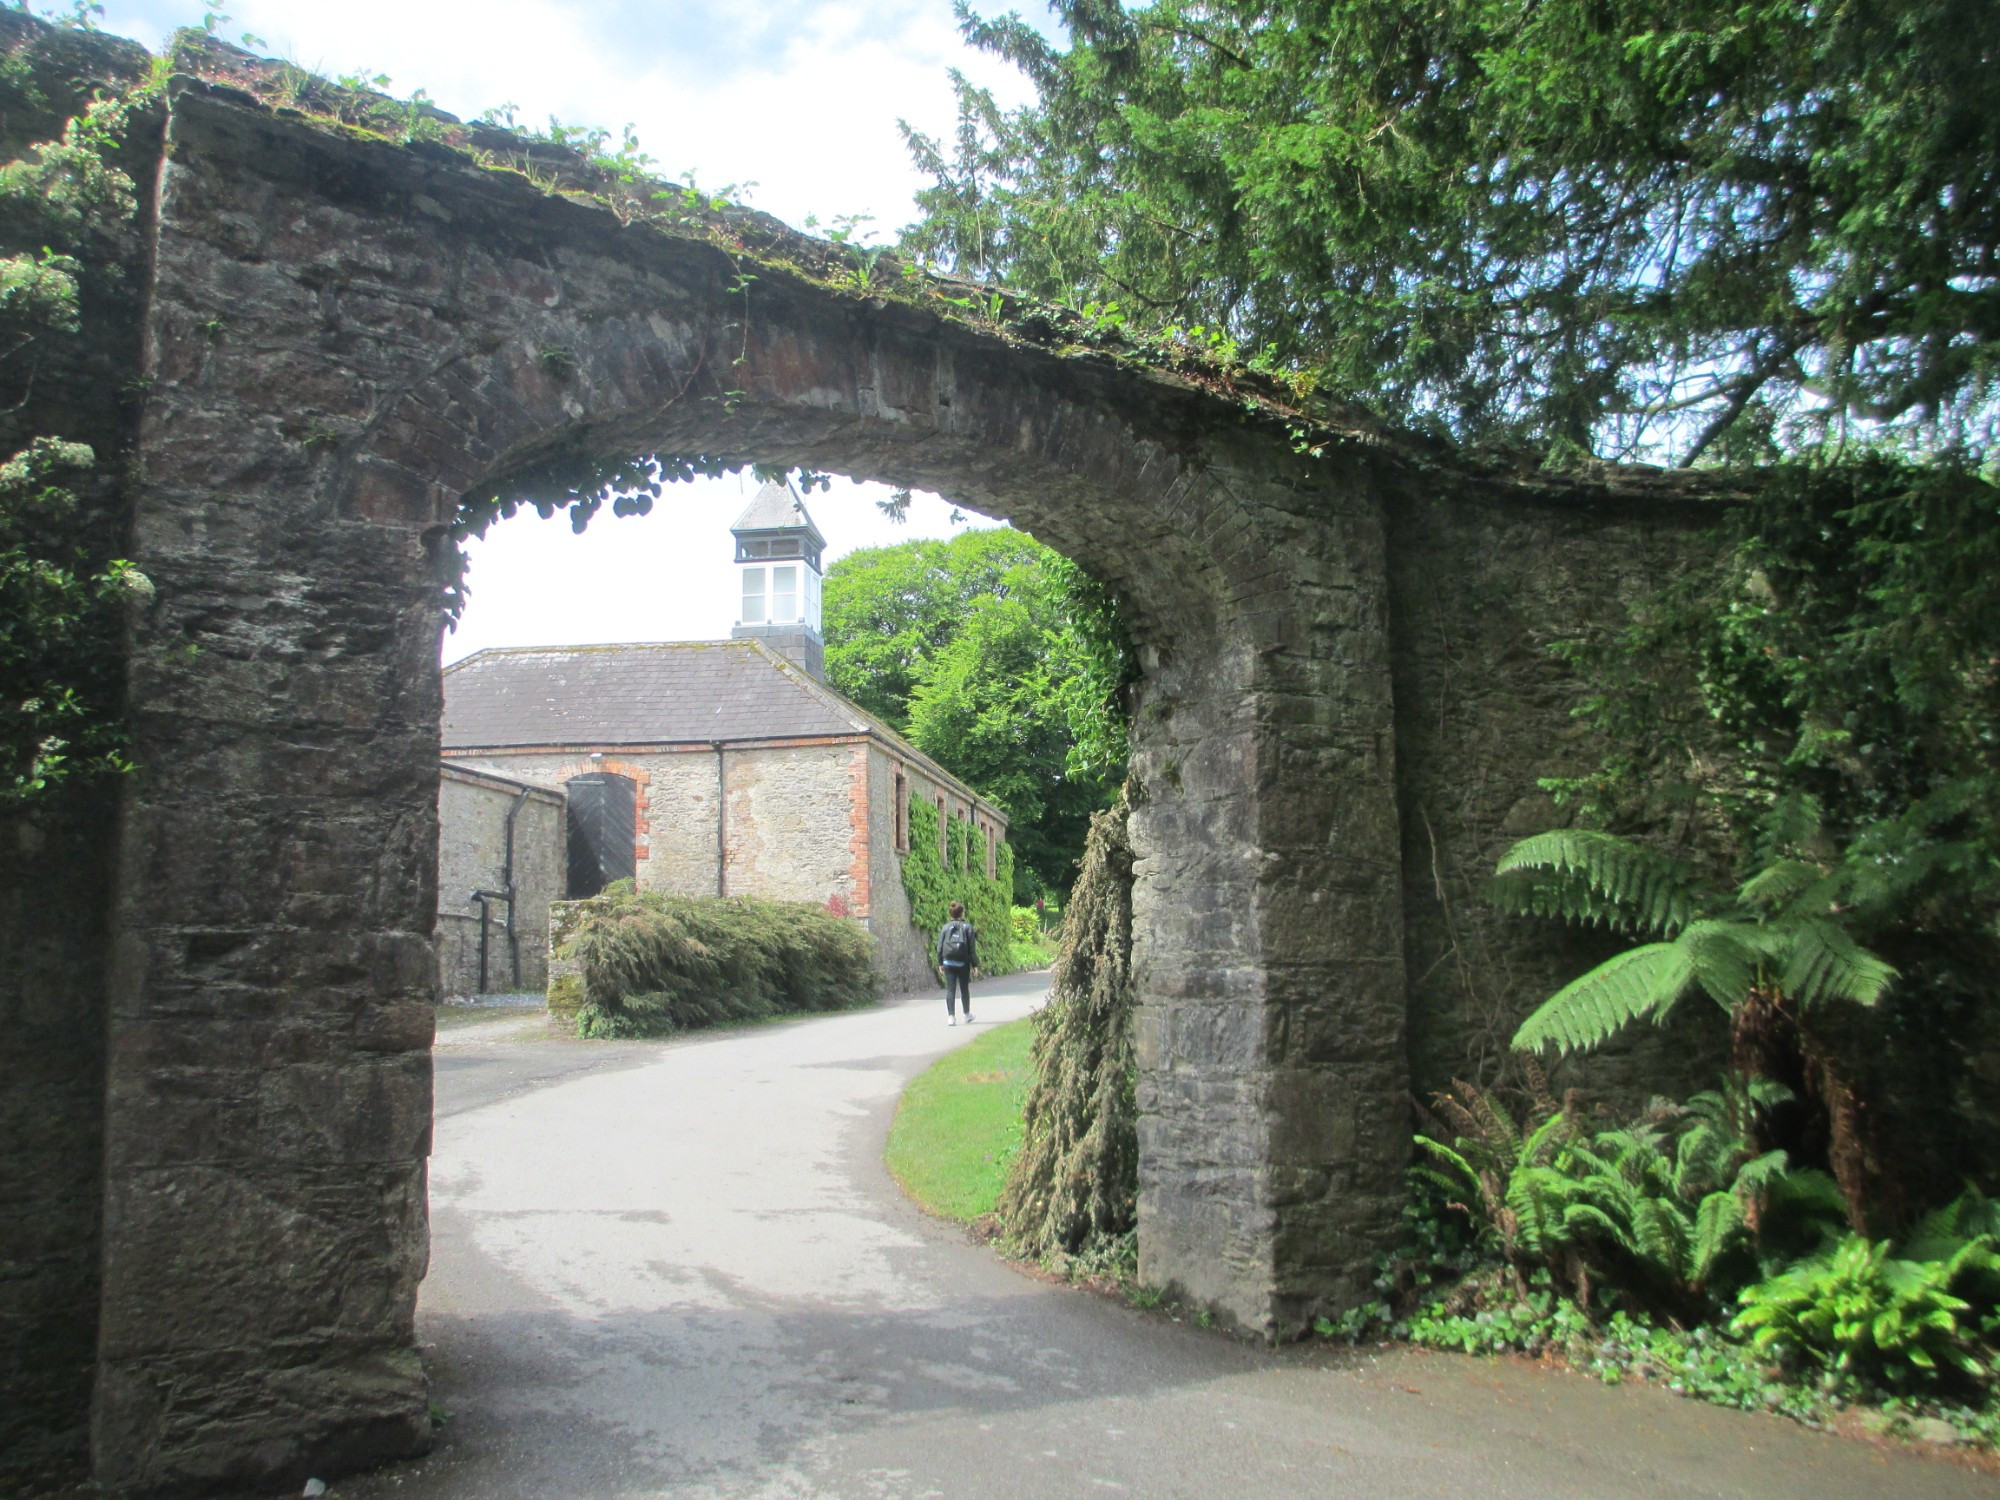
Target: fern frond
<point>1760,1174</point>
<point>1588,1221</point>
<point>1642,981</point>
<point>1455,1165</point>
<point>1807,1192</point>
<point>1724,957</point>
<point>1720,1225</point>
<point>1826,964</point>
<point>1581,875</point>
<point>1662,1234</point>
<point>1794,822</point>
<point>1779,884</point>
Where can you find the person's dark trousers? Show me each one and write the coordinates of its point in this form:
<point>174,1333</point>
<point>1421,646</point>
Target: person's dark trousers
<point>957,982</point>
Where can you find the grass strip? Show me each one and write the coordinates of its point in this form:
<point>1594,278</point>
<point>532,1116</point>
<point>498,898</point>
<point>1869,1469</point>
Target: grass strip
<point>959,1124</point>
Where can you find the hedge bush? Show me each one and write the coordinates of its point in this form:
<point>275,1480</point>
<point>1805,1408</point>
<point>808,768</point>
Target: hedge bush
<point>651,964</point>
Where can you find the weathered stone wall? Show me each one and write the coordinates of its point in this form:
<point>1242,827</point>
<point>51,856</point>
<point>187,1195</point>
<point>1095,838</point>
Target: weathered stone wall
<point>1483,587</point>
<point>789,835</point>
<point>1267,943</point>
<point>806,822</point>
<point>797,824</point>
<point>473,809</point>
<point>902,953</point>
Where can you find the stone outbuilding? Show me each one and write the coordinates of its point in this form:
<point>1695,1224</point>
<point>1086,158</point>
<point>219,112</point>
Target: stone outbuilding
<point>712,768</point>
<point>700,768</point>
<point>502,858</point>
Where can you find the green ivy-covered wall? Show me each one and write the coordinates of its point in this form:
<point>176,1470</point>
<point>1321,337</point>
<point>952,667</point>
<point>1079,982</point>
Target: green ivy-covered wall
<point>933,882</point>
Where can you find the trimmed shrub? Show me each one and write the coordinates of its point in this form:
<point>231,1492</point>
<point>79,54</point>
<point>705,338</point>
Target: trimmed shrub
<point>649,964</point>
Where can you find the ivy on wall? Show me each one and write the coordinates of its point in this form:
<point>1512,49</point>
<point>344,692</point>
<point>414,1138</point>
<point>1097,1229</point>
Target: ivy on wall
<point>944,865</point>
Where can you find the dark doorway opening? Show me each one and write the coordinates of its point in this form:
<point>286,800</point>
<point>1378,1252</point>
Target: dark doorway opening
<point>603,823</point>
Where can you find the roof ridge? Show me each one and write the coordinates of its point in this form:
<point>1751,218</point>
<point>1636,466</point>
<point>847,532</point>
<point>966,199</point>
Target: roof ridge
<point>577,646</point>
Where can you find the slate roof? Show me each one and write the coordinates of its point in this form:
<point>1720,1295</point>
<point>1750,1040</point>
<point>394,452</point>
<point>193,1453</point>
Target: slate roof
<point>776,507</point>
<point>669,693</point>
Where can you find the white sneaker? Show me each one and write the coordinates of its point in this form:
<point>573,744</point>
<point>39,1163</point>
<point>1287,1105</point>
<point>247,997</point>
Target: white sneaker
<point>951,1020</point>
<point>968,1018</point>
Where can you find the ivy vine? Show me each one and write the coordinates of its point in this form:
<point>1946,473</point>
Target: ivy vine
<point>944,865</point>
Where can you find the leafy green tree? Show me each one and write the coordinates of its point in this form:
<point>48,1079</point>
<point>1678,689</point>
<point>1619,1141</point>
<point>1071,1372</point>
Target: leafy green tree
<point>889,610</point>
<point>999,660</point>
<point>1634,227</point>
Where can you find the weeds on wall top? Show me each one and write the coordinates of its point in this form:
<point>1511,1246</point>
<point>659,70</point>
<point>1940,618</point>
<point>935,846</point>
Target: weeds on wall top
<point>613,171</point>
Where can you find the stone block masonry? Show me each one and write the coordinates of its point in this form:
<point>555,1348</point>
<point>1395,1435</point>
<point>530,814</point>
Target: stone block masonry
<point>258,1164</point>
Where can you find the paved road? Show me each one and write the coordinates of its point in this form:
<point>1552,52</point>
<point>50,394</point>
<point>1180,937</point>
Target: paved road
<point>680,1269</point>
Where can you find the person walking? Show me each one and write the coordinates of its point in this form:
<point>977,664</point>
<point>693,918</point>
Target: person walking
<point>958,955</point>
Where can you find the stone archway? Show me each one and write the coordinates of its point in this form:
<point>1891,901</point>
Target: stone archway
<point>1344,709</point>
<point>345,338</point>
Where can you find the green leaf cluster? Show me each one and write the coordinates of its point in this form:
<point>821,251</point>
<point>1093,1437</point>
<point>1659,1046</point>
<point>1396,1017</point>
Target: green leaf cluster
<point>1713,227</point>
<point>66,207</point>
<point>653,964</point>
<point>1865,1314</point>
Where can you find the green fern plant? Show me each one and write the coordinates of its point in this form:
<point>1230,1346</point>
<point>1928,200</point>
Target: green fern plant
<point>1867,1318</point>
<point>1779,937</point>
<point>1508,1176</point>
<point>1665,1213</point>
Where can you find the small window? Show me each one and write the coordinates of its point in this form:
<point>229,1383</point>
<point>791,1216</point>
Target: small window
<point>753,596</point>
<point>902,813</point>
<point>812,598</point>
<point>784,595</point>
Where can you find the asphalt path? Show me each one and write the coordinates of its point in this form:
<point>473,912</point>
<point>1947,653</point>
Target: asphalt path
<point>680,1268</point>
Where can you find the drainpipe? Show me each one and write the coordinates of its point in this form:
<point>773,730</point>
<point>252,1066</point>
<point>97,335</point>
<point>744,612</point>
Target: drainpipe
<point>721,822</point>
<point>507,884</point>
<point>484,898</point>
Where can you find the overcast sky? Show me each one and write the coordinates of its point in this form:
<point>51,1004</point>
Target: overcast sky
<point>799,97</point>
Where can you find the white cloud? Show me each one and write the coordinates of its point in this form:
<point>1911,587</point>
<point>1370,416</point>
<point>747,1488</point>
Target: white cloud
<point>799,96</point>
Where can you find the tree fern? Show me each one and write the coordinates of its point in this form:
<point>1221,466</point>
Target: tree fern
<point>1779,933</point>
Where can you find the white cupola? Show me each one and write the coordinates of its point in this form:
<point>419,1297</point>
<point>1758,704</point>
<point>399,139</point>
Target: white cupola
<point>778,552</point>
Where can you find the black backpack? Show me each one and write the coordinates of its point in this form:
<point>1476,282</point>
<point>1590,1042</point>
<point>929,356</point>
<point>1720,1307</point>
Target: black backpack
<point>957,942</point>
